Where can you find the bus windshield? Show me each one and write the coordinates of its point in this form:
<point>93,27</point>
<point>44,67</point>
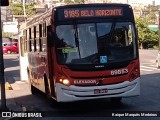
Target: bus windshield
<point>95,43</point>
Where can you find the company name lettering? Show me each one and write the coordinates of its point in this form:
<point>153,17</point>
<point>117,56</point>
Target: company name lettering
<point>119,72</point>
<point>92,13</point>
<point>84,81</point>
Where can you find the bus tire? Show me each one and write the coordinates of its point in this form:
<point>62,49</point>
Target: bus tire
<point>157,64</point>
<point>46,86</point>
<point>33,89</point>
<point>116,100</point>
<point>54,103</point>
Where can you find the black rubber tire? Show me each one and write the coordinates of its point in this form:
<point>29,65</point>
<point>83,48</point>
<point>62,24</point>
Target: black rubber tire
<point>33,89</point>
<point>157,65</point>
<point>116,100</point>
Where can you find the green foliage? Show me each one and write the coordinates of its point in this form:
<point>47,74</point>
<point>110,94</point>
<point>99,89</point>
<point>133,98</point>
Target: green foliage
<point>155,47</point>
<point>17,8</point>
<point>151,16</point>
<point>145,35</point>
<point>30,10</point>
<point>79,1</point>
<point>68,1</point>
<point>7,34</point>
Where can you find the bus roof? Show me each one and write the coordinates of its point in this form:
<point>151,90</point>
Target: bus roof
<point>93,5</point>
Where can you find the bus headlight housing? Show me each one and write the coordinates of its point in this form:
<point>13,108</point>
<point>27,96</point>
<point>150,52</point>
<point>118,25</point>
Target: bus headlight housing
<point>63,79</point>
<point>135,73</point>
<point>65,82</point>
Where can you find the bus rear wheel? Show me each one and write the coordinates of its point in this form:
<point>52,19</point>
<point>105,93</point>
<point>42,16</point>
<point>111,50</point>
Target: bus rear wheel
<point>33,89</point>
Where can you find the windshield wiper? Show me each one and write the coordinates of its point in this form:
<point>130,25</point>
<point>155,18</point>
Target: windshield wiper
<point>76,39</point>
<point>112,31</point>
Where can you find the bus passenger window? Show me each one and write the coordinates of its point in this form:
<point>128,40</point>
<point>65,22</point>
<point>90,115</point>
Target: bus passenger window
<point>37,45</point>
<point>29,40</point>
<point>43,38</point>
<point>32,45</point>
<point>40,37</point>
<point>37,38</point>
<point>44,30</point>
<point>44,45</point>
<point>34,39</point>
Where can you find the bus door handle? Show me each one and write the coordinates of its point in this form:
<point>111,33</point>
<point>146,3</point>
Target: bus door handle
<point>43,59</point>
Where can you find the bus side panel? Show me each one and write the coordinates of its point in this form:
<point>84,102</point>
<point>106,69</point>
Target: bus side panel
<point>46,83</point>
<point>41,59</point>
<point>32,69</point>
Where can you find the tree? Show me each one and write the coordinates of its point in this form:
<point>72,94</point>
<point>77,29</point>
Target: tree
<point>7,34</point>
<point>30,9</point>
<point>17,8</point>
<point>68,1</point>
<point>79,1</point>
<point>145,35</point>
<point>151,16</point>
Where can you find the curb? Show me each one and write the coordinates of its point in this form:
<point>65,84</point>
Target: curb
<point>7,86</point>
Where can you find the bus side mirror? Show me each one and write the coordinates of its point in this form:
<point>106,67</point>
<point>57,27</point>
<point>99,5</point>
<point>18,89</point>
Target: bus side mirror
<point>4,2</point>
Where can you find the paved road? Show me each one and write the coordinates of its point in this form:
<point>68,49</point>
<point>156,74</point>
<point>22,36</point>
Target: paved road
<point>147,101</point>
<point>147,61</point>
<point>11,64</point>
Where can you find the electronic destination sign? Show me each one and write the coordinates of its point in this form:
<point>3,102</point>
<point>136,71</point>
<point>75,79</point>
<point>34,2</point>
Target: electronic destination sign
<point>92,12</point>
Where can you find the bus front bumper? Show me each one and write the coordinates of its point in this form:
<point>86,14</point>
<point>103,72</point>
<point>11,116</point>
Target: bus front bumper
<point>76,93</point>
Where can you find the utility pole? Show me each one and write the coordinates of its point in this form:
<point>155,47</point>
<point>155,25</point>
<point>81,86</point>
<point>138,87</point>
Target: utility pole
<point>24,11</point>
<point>2,80</point>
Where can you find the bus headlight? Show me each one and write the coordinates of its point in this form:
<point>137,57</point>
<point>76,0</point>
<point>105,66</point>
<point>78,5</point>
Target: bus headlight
<point>65,82</point>
<point>63,79</point>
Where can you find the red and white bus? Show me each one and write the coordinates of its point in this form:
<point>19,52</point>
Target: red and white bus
<point>82,52</point>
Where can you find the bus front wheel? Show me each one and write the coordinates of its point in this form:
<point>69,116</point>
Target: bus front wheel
<point>116,100</point>
<point>157,64</point>
<point>33,89</point>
